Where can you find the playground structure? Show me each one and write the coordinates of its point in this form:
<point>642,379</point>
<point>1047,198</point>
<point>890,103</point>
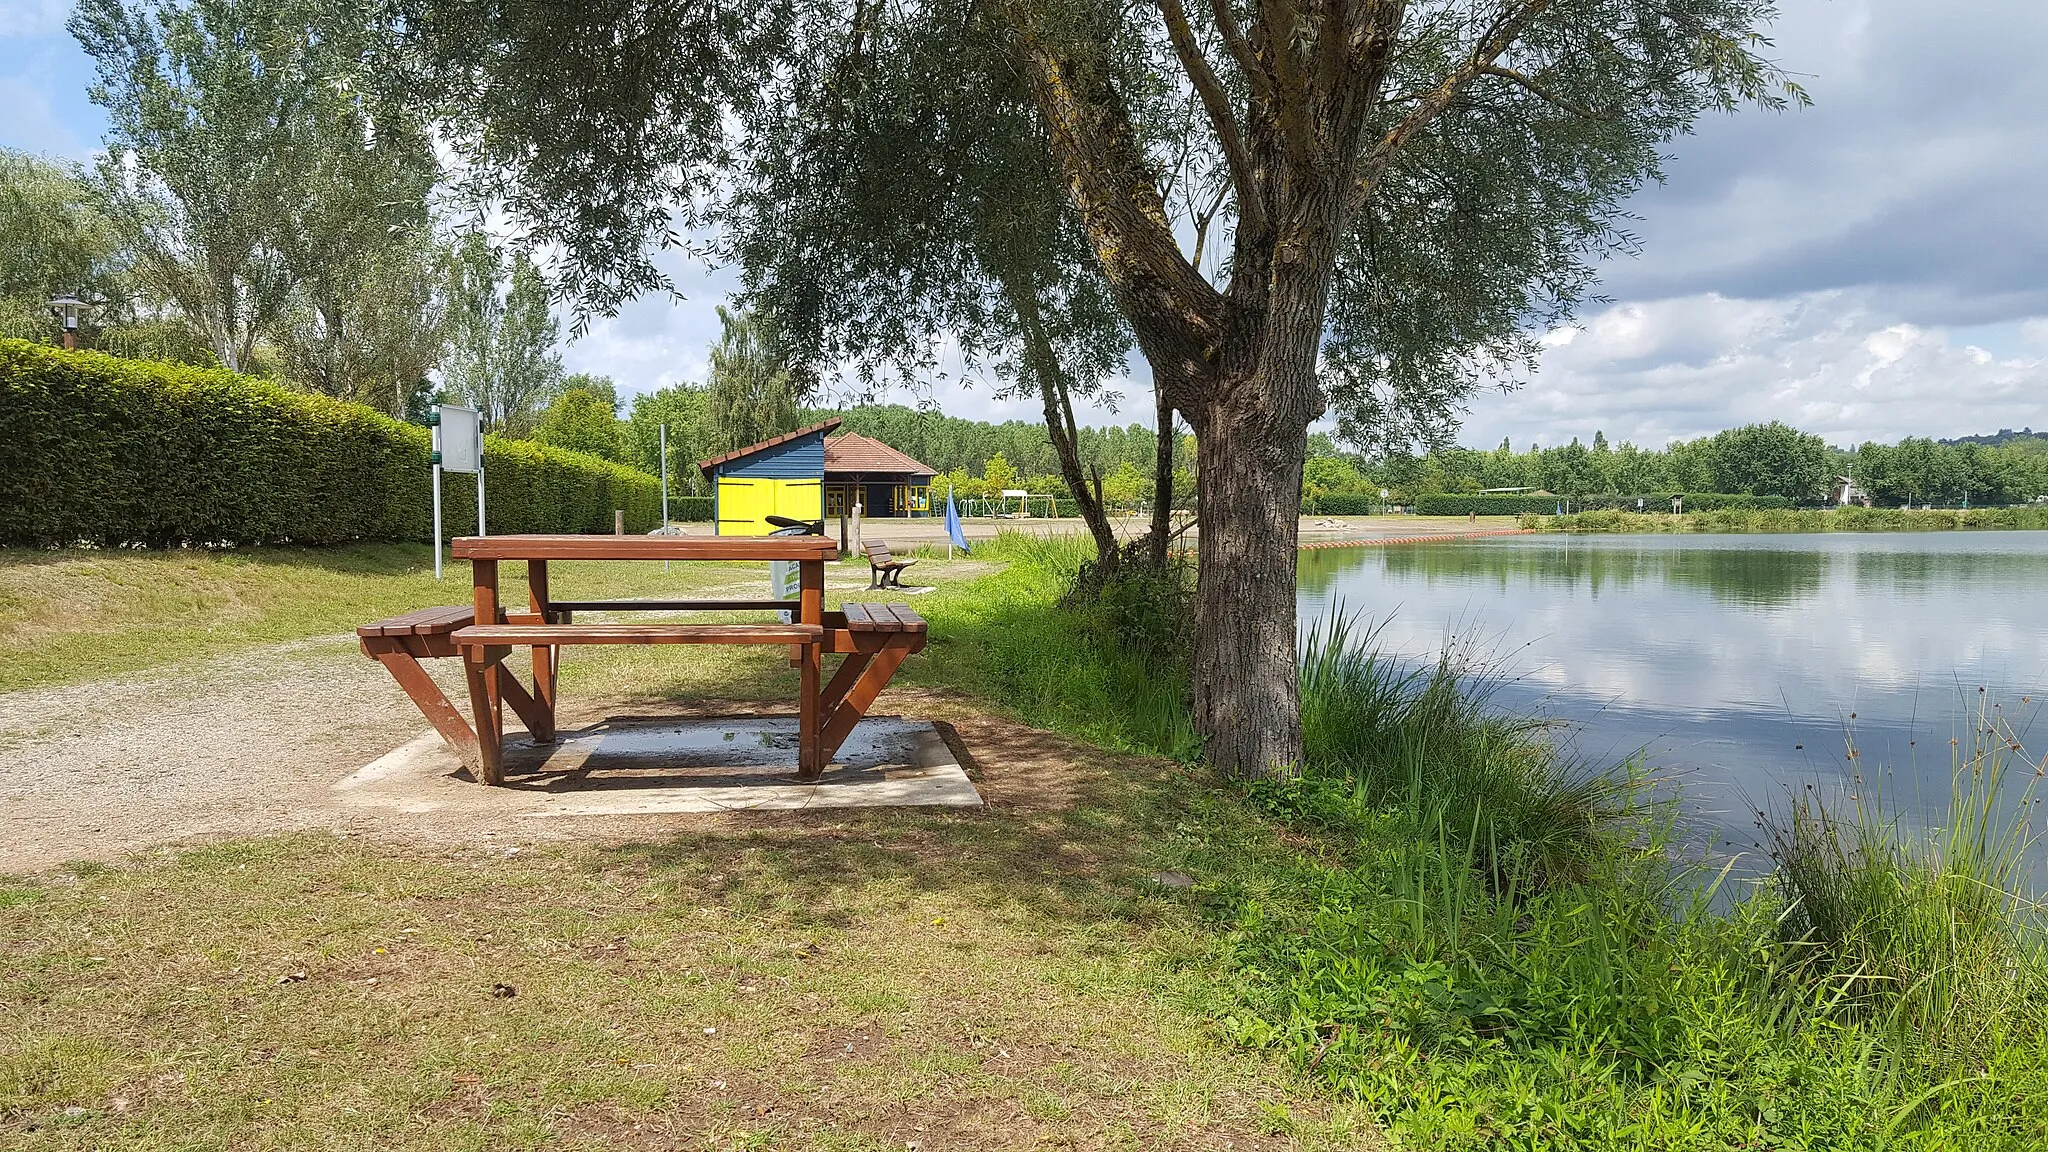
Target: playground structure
<point>1011,503</point>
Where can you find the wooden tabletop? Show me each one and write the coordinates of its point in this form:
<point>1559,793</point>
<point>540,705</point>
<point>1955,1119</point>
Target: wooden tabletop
<point>538,547</point>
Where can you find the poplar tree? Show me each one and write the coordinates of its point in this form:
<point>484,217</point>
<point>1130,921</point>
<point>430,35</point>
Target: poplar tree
<point>1403,191</point>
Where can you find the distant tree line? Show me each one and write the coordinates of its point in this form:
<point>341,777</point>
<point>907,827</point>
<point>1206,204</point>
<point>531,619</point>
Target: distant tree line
<point>1757,459</point>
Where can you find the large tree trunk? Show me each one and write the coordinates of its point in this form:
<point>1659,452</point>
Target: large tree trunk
<point>1247,702</point>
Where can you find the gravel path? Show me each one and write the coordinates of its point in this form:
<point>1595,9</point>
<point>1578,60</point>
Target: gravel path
<point>235,745</point>
<point>254,744</point>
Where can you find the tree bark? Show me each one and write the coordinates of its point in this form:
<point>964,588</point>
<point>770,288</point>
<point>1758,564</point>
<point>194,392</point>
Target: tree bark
<point>1247,702</point>
<point>1157,538</point>
<point>1240,364</point>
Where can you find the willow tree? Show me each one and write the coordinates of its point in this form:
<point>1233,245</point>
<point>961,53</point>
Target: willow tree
<point>892,194</point>
<point>1403,191</point>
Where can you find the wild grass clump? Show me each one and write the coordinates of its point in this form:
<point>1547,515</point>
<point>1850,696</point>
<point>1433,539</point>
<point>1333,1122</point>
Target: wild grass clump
<point>1931,936</point>
<point>1426,739</point>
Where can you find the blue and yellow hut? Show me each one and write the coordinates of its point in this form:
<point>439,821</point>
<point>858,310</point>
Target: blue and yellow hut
<point>809,474</point>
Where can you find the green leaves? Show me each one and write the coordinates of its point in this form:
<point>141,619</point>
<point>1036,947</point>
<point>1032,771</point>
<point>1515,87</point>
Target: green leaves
<point>752,395</point>
<point>115,452</point>
<point>501,354</point>
<point>259,190</point>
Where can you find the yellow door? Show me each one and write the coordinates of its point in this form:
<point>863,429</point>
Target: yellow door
<point>800,499</point>
<point>744,505</point>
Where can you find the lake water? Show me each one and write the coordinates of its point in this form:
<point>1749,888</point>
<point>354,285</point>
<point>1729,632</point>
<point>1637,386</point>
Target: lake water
<point>1740,665</point>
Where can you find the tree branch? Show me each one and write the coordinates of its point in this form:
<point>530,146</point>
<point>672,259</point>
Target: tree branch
<point>1241,50</point>
<point>1291,94</point>
<point>1538,90</point>
<point>1497,40</point>
<point>1251,210</point>
<point>1203,219</point>
<point>1174,312</point>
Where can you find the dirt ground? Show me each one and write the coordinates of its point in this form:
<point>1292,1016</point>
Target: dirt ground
<point>253,744</point>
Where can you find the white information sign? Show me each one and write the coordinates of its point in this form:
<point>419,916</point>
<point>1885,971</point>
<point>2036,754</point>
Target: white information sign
<point>460,443</point>
<point>785,582</point>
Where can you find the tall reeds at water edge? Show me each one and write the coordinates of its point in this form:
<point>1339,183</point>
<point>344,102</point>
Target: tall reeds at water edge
<point>1935,936</point>
<point>1424,739</point>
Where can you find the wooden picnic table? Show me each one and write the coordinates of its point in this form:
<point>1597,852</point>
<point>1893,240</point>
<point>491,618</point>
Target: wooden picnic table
<point>873,638</point>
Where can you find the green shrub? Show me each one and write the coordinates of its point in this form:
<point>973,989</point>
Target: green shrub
<point>111,452</point>
<point>1523,504</point>
<point>1798,520</point>
<point>691,509</point>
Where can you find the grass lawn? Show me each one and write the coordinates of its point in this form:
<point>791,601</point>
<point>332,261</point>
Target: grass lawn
<point>1442,928</point>
<point>832,981</point>
<point>882,981</point>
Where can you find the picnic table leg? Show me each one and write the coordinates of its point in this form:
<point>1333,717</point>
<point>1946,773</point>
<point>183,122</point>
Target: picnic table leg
<point>481,666</point>
<point>810,762</point>
<point>545,657</point>
<point>868,684</point>
<point>413,679</point>
<point>488,703</point>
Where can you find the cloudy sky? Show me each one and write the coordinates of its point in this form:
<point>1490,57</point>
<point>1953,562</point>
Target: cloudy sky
<point>1875,266</point>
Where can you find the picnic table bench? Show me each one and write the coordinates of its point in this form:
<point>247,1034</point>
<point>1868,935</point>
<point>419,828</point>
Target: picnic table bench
<point>873,639</point>
<point>884,569</point>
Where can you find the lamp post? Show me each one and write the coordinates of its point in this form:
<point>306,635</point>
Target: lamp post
<point>67,310</point>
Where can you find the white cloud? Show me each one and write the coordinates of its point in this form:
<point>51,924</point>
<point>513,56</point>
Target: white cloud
<point>1838,364</point>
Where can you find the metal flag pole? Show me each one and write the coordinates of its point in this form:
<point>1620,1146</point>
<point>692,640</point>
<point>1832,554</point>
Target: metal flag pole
<point>436,443</point>
<point>664,486</point>
<point>949,509</point>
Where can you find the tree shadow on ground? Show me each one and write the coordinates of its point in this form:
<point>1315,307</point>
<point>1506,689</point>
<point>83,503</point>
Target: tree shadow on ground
<point>1067,835</point>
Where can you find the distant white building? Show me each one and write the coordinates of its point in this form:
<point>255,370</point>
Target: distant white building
<point>1846,493</point>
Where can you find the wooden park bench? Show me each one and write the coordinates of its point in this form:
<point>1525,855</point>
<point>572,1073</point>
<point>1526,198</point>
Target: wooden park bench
<point>884,570</point>
<point>874,639</point>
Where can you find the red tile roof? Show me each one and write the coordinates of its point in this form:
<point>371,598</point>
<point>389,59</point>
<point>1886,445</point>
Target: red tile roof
<point>822,426</point>
<point>854,452</point>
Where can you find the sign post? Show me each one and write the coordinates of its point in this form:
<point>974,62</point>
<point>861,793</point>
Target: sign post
<point>458,447</point>
<point>664,478</point>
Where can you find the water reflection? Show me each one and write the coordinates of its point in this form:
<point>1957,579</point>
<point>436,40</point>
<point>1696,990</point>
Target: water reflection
<point>1746,662</point>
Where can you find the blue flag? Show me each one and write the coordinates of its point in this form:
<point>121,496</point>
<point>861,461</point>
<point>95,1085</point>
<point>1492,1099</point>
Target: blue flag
<point>953,532</point>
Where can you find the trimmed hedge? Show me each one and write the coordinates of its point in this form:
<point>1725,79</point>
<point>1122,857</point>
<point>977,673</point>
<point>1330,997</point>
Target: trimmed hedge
<point>1342,504</point>
<point>104,451</point>
<point>1489,504</point>
<point>1520,504</point>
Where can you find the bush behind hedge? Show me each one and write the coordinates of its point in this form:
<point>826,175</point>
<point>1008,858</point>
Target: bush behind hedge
<point>1342,504</point>
<point>103,451</point>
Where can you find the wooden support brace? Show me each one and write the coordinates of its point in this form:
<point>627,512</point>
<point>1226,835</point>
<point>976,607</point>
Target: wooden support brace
<point>427,695</point>
<point>867,685</point>
<point>531,714</point>
<point>843,680</point>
